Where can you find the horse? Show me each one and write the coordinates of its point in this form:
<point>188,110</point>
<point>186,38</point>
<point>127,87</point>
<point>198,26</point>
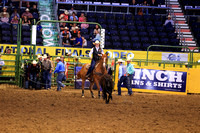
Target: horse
<point>95,76</point>
<point>107,85</point>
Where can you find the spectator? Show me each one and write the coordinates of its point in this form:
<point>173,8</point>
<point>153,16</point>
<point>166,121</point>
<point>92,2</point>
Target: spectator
<point>60,69</point>
<point>75,32</point>
<point>78,41</point>
<point>169,22</point>
<point>8,51</point>
<point>2,63</point>
<point>145,10</point>
<point>4,19</point>
<point>46,71</point>
<point>154,3</point>
<point>27,13</point>
<point>71,11</point>
<point>39,27</point>
<point>65,32</point>
<point>98,36</point>
<point>66,41</point>
<point>73,17</point>
<point>14,20</point>
<point>35,12</point>
<point>84,42</point>
<point>4,12</point>
<point>73,27</point>
<point>96,29</point>
<point>33,73</point>
<point>82,18</point>
<point>140,12</point>
<point>62,26</point>
<point>26,21</point>
<point>64,16</point>
<point>15,14</point>
<point>133,2</point>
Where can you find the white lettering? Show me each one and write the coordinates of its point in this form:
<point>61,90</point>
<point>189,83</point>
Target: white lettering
<point>146,73</point>
<point>44,17</point>
<point>175,75</point>
<point>137,74</point>
<point>48,31</point>
<point>48,41</point>
<point>159,75</point>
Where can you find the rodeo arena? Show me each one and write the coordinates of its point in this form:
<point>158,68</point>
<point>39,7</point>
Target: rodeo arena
<point>99,66</point>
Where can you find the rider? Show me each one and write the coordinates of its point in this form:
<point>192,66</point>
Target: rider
<point>97,53</point>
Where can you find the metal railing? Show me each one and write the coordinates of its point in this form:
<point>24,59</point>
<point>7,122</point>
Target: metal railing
<point>168,46</point>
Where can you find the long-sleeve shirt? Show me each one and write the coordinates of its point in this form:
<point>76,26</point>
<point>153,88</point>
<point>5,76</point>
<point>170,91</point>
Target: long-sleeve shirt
<point>97,37</point>
<point>60,67</point>
<point>91,51</point>
<point>130,69</point>
<point>122,70</point>
<point>169,21</point>
<point>46,65</point>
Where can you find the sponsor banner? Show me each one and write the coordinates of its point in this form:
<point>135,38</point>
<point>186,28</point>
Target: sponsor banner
<point>174,57</point>
<point>58,51</point>
<point>163,80</point>
<point>78,82</point>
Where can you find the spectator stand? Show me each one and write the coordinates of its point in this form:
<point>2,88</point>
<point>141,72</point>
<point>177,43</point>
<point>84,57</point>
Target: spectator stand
<point>100,5</point>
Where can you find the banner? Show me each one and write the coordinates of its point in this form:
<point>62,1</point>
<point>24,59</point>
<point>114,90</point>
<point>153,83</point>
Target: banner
<point>174,57</point>
<point>78,82</point>
<point>163,80</point>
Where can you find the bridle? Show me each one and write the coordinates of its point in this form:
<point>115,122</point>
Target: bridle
<point>104,66</point>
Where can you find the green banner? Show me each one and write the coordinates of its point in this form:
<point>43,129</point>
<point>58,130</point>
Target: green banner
<point>49,30</point>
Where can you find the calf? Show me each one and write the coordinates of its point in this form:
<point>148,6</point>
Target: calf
<point>107,87</point>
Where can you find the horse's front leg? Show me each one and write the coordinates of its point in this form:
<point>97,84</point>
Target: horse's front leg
<point>83,86</point>
<point>91,86</point>
<point>98,87</point>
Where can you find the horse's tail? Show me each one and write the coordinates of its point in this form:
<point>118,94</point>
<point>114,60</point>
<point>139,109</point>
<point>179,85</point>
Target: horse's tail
<point>78,75</point>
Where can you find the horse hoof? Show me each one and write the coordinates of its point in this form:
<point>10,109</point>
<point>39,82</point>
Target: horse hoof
<point>93,96</point>
<point>82,96</point>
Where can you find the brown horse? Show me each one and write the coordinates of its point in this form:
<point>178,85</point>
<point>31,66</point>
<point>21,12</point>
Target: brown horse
<point>95,76</point>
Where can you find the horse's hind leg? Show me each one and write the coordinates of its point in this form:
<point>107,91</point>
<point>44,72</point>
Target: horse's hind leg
<point>83,85</point>
<point>99,94</point>
<point>91,86</point>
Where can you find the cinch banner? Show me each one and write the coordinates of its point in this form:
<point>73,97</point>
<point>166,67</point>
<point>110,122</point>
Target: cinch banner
<point>163,80</point>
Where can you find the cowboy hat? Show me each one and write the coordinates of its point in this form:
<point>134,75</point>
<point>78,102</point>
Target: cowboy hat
<point>66,12</point>
<point>69,53</point>
<point>62,56</point>
<point>76,27</point>
<point>4,7</point>
<point>169,16</point>
<point>66,28</point>
<point>44,56</point>
<point>27,9</point>
<point>120,60</point>
<point>34,62</point>
<point>39,56</point>
<point>58,58</point>
<point>97,42</point>
<point>128,59</point>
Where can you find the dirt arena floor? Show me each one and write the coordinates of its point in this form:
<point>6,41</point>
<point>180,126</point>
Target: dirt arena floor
<point>50,111</point>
